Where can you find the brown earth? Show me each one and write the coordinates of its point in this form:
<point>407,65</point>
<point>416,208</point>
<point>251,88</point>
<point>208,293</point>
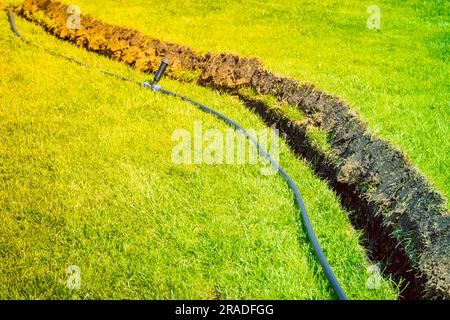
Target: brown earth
<point>406,223</point>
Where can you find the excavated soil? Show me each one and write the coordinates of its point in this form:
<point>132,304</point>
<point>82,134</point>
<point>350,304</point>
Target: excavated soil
<point>406,223</point>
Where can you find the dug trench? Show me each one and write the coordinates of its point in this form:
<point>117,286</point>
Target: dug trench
<point>405,222</point>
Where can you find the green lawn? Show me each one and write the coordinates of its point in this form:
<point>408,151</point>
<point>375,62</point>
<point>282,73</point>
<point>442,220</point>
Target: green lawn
<point>397,78</point>
<point>86,179</point>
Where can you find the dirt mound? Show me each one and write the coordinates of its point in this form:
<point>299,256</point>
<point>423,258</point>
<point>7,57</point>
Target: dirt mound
<point>406,223</point>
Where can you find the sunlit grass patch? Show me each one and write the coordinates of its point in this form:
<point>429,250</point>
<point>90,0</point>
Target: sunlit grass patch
<point>86,179</point>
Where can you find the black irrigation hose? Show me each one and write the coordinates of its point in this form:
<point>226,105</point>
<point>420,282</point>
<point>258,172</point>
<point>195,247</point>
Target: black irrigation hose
<point>298,198</point>
<point>56,54</point>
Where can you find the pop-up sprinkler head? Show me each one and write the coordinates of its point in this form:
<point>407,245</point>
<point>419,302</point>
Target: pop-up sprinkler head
<point>159,73</point>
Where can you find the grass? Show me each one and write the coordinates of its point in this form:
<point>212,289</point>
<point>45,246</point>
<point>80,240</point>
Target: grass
<point>283,108</point>
<point>397,78</point>
<point>318,137</point>
<point>86,179</point>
